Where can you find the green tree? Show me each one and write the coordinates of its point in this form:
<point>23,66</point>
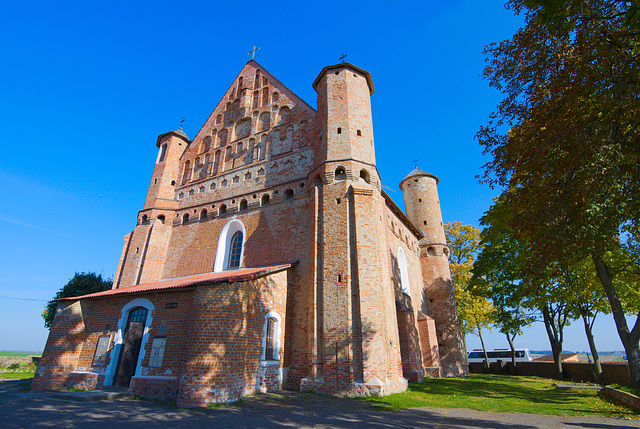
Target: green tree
<point>79,284</point>
<point>498,274</point>
<point>475,312</point>
<point>565,140</point>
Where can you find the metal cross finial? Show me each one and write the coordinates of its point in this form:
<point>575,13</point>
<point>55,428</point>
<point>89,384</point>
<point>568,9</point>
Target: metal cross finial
<point>181,122</point>
<point>253,51</point>
<point>342,58</point>
<point>415,163</point>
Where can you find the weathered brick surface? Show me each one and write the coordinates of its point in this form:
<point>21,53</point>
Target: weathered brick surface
<point>154,387</point>
<point>84,381</point>
<point>304,186</point>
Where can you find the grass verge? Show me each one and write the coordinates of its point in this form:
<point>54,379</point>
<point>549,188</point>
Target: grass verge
<point>504,394</point>
<point>16,375</point>
<point>626,389</point>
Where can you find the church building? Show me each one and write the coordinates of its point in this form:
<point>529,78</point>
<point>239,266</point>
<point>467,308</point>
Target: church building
<point>267,256</point>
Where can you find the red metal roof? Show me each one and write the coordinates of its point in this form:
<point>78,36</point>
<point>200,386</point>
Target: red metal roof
<point>240,275</point>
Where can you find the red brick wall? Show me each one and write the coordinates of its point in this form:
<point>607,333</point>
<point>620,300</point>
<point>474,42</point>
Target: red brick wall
<point>64,346</point>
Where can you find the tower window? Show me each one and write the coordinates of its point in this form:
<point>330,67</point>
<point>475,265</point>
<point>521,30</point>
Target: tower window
<point>358,132</point>
<point>425,222</point>
<point>339,130</point>
<point>185,219</point>
<point>265,200</point>
<point>341,174</point>
<point>203,214</point>
<point>243,205</point>
<point>288,195</point>
<point>235,250</point>
<point>163,152</point>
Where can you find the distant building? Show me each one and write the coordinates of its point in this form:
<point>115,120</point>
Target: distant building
<point>564,357</point>
<point>267,256</point>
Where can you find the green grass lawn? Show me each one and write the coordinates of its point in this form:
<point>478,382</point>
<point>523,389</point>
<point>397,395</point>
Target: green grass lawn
<point>504,394</point>
<point>18,354</point>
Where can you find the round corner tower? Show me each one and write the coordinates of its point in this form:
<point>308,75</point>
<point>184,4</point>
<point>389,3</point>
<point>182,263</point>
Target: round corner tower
<point>145,249</point>
<point>356,346</point>
<point>420,192</point>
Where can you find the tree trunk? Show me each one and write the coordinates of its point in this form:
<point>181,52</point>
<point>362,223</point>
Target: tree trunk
<point>630,339</point>
<point>594,352</point>
<point>513,355</point>
<point>484,350</point>
<point>556,345</point>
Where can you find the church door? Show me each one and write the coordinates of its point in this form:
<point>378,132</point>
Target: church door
<point>131,346</point>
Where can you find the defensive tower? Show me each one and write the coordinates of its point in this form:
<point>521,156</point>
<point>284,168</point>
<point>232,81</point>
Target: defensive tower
<point>356,346</point>
<point>146,246</point>
<point>422,204</point>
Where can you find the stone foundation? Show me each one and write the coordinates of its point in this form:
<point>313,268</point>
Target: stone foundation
<point>154,387</point>
<point>84,380</point>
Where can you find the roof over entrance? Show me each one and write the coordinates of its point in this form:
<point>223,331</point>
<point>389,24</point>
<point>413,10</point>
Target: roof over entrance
<point>241,275</point>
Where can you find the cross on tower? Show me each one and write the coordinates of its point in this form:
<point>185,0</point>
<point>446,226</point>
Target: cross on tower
<point>342,58</point>
<point>415,163</point>
<point>181,122</point>
<point>253,51</point>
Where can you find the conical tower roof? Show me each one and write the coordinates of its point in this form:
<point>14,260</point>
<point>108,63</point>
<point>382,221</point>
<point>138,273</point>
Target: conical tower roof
<point>177,132</point>
<point>417,173</point>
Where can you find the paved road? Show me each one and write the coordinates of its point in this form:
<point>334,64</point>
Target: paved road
<point>21,408</point>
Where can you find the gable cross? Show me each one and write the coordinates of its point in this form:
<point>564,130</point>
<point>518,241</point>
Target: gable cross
<point>253,52</point>
<point>342,58</point>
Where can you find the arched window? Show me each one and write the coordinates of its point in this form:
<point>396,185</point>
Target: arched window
<point>185,219</point>
<point>230,246</point>
<point>265,200</point>
<point>163,152</point>
<point>404,273</point>
<point>288,195</point>
<point>341,174</point>
<point>243,205</point>
<point>364,175</point>
<point>271,337</point>
<point>203,214</point>
<point>235,250</point>
<point>187,172</point>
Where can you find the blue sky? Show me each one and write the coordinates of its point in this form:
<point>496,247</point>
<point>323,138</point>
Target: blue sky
<point>86,87</point>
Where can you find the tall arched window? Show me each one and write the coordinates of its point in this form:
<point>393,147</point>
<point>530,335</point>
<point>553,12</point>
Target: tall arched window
<point>230,246</point>
<point>235,250</point>
<point>404,273</point>
<point>269,341</point>
<point>271,337</point>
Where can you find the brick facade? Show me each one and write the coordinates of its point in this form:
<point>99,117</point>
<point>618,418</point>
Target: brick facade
<point>364,303</point>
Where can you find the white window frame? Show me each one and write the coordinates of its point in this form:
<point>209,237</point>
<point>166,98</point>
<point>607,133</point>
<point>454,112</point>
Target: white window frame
<point>276,338</point>
<point>224,245</point>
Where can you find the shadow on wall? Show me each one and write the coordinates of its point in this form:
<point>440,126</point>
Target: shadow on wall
<point>226,343</point>
<point>443,308</point>
<point>409,337</point>
<point>64,345</point>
